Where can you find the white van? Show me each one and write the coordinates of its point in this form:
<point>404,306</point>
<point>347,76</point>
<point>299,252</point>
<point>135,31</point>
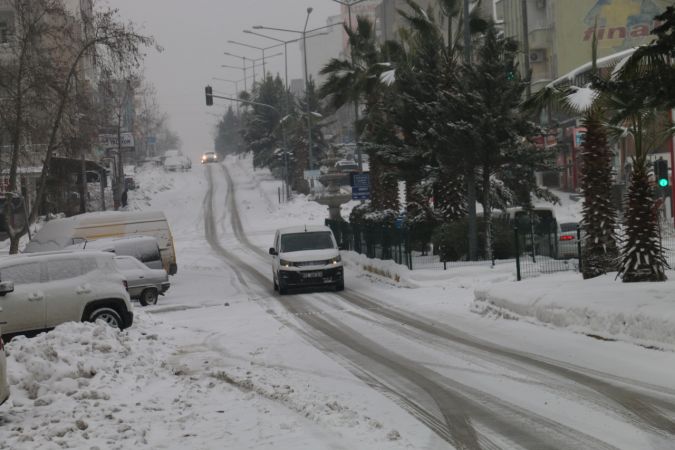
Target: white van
<point>306,256</point>
<point>61,233</point>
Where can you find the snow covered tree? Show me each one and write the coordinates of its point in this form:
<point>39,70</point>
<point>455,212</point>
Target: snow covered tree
<point>599,250</point>
<point>485,130</point>
<point>260,123</point>
<point>357,79</point>
<point>228,134</point>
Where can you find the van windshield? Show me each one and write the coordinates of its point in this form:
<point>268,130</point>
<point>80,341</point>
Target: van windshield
<point>313,240</point>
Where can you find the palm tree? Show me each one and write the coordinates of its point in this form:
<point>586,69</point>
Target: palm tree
<point>358,80</point>
<point>600,250</point>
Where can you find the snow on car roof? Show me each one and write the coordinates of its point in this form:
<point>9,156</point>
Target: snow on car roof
<point>303,228</point>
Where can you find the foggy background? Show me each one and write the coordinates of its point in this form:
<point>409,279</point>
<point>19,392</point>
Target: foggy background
<point>194,36</point>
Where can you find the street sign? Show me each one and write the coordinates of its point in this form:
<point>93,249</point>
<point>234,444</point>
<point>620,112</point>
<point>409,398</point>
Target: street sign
<point>360,186</point>
<point>110,140</point>
<point>312,174</point>
<point>151,140</point>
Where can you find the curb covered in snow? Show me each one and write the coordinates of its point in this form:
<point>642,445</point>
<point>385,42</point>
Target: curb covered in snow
<point>641,313</point>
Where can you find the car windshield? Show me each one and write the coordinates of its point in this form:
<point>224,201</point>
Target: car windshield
<point>569,226</point>
<point>313,240</point>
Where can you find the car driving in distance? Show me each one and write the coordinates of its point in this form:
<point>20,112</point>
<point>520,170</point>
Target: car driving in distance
<point>209,157</point>
<point>306,256</point>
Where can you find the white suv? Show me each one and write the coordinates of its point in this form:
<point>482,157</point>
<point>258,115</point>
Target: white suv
<point>4,387</point>
<point>306,256</point>
<point>42,290</point>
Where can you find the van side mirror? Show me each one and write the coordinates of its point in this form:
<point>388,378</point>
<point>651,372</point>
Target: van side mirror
<point>273,252</point>
<point>6,287</point>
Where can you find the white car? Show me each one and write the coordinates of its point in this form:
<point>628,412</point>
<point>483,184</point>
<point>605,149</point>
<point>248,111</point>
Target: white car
<point>306,256</point>
<point>42,290</point>
<point>4,386</point>
<point>567,240</point>
<point>145,284</point>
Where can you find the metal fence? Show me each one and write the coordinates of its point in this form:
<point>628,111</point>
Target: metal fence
<point>534,249</point>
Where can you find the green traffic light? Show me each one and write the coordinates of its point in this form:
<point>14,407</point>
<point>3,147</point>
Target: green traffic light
<point>663,182</point>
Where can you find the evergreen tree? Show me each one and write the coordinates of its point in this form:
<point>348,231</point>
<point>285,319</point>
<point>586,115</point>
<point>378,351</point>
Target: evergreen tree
<point>485,131</point>
<point>228,134</point>
<point>260,129</point>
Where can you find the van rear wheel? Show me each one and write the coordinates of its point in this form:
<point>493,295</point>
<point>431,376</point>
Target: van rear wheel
<point>148,297</point>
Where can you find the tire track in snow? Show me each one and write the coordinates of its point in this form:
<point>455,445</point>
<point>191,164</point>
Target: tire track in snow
<point>638,408</point>
<point>449,396</point>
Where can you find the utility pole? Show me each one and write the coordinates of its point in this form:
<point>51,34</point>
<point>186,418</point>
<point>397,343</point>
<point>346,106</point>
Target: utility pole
<point>470,175</point>
<point>526,47</point>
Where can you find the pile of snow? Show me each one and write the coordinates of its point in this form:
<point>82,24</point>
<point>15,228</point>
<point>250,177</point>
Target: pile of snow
<point>641,313</point>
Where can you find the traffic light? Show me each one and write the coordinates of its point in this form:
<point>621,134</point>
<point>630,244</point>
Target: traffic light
<point>510,75</point>
<point>661,173</point>
<point>209,95</point>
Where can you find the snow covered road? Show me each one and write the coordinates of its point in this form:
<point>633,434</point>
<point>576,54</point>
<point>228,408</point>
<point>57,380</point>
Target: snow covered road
<point>468,412</point>
<point>224,362</point>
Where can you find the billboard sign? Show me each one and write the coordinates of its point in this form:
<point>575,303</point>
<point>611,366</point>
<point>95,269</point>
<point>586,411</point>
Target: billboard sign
<point>621,25</point>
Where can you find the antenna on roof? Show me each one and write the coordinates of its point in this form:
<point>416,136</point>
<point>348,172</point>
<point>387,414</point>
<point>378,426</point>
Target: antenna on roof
<point>305,227</point>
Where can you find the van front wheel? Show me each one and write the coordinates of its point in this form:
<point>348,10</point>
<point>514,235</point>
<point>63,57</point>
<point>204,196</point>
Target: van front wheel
<point>148,297</point>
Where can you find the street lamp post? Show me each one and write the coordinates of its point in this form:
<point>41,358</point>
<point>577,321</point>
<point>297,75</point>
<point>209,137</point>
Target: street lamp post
<point>262,49</point>
<point>304,33</point>
<point>252,60</point>
<point>243,67</point>
<point>349,4</point>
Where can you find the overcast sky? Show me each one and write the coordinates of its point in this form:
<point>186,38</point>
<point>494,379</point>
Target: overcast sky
<point>194,35</point>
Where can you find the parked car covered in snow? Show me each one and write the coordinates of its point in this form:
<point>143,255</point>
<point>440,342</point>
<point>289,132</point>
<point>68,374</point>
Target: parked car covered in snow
<point>143,248</point>
<point>42,290</point>
<point>306,256</point>
<point>145,284</point>
<point>174,164</point>
<point>60,233</point>
<point>4,386</point>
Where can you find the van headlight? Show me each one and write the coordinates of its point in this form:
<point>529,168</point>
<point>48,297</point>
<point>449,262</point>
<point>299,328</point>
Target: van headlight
<point>335,260</point>
<point>285,263</point>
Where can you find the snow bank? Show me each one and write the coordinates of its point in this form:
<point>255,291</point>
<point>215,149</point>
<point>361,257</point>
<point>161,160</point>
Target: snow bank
<point>641,313</point>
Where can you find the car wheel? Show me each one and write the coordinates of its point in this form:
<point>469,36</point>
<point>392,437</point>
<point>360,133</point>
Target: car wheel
<point>108,315</point>
<point>148,297</point>
<point>340,286</point>
<point>283,289</point>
